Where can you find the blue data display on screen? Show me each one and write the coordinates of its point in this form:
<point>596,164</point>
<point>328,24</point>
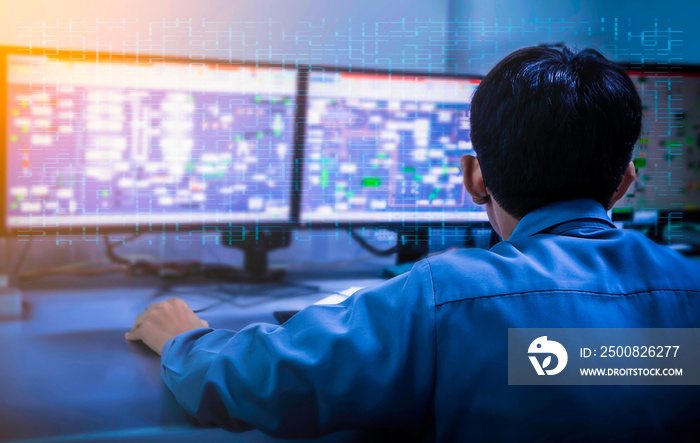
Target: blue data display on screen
<point>110,144</point>
<point>385,148</point>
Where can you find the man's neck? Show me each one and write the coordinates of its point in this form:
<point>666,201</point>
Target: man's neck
<point>503,223</point>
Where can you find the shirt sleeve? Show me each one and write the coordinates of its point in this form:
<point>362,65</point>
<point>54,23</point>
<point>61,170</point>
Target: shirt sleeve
<point>368,362</point>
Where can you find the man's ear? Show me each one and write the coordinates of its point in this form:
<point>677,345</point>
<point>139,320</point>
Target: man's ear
<point>473,180</point>
<point>626,182</point>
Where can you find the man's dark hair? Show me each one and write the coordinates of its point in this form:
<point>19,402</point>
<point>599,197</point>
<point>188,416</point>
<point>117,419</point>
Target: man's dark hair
<point>548,124</point>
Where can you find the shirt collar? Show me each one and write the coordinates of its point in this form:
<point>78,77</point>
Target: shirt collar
<point>557,213</point>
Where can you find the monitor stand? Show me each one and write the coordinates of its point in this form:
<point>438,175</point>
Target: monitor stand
<point>255,247</point>
<point>413,244</point>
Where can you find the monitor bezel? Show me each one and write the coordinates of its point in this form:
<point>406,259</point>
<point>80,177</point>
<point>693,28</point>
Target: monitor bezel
<point>79,55</point>
<point>393,225</point>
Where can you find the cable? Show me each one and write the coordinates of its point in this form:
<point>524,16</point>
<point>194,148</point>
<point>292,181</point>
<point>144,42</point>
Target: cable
<point>380,252</point>
<point>174,270</point>
<point>171,270</point>
<point>110,249</point>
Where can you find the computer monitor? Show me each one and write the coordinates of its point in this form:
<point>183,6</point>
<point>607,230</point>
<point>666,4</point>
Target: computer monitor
<point>667,156</point>
<point>383,148</point>
<point>112,143</point>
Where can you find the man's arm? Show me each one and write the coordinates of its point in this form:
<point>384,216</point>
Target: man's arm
<point>366,363</point>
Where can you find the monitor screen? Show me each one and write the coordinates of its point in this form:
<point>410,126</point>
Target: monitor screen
<point>124,143</point>
<point>667,156</point>
<point>384,148</point>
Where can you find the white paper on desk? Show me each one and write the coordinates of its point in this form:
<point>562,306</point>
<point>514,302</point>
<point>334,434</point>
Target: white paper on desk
<point>339,298</point>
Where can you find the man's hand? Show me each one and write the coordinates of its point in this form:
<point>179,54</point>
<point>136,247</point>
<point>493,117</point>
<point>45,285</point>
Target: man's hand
<point>163,321</point>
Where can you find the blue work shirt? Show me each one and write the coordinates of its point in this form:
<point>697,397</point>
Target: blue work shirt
<point>425,354</point>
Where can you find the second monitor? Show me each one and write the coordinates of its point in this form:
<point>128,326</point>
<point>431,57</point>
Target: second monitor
<point>383,148</point>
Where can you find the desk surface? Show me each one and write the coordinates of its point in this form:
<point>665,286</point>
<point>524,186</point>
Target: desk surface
<point>67,373</point>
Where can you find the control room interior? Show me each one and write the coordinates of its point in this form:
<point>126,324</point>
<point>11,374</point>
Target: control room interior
<point>67,281</point>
